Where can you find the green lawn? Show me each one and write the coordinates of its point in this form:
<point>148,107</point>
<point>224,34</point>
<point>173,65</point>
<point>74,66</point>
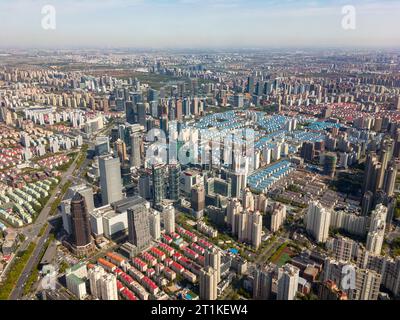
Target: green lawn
<point>284,258</point>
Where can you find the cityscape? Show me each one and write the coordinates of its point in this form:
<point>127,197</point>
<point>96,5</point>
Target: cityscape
<point>200,174</point>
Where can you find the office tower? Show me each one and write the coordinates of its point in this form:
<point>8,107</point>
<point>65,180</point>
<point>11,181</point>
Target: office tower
<point>126,175</point>
<point>130,112</point>
<point>308,151</point>
<point>144,186</point>
<point>102,146</point>
<point>110,179</point>
<point>238,182</point>
<point>238,101</point>
<point>174,172</point>
<point>259,88</point>
<point>249,227</point>
<point>213,260</point>
<point>318,221</point>
<point>208,284</point>
<point>168,214</point>
<point>80,225</point>
<point>155,224</point>
<point>94,275</point>
<point>85,191</point>
<point>288,281</point>
<point>138,223</point>
<point>262,285</point>
<point>250,85</point>
<point>108,286</point>
<point>390,179</point>
<point>152,95</point>
<point>341,248</point>
<point>141,110</point>
<point>179,110</point>
<point>136,141</point>
<point>194,88</point>
<point>120,150</point>
<point>330,164</point>
<point>198,198</point>
<point>366,204</point>
<point>376,233</point>
<point>158,175</point>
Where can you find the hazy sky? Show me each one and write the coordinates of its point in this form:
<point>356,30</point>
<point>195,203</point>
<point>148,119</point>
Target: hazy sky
<point>199,23</point>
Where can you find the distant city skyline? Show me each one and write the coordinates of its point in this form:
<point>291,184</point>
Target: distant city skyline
<point>199,24</point>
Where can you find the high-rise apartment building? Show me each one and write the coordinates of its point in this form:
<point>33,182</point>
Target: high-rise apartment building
<point>262,285</point>
<point>208,284</point>
<point>213,260</point>
<point>155,224</point>
<point>318,221</point>
<point>376,233</point>
<point>168,217</point>
<point>288,281</point>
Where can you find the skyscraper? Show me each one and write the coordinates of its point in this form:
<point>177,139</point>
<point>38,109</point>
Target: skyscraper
<point>307,151</point>
<point>120,150</point>
<point>318,221</point>
<point>330,164</point>
<point>174,171</point>
<point>159,187</point>
<point>80,225</point>
<point>110,179</point>
<point>138,223</point>
<point>238,101</point>
<point>136,149</point>
<point>198,198</point>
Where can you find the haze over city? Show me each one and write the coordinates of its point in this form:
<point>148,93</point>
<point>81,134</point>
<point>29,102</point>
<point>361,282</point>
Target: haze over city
<point>199,24</point>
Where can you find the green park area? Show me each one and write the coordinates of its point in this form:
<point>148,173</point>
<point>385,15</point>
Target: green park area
<point>15,272</point>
